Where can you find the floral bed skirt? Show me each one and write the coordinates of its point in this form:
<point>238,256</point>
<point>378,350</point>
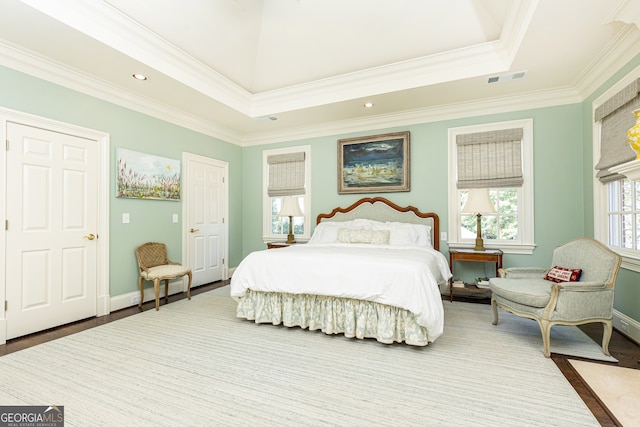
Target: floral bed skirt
<point>331,315</point>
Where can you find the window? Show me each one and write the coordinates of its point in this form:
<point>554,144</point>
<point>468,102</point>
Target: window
<point>511,227</point>
<point>289,178</point>
<point>502,225</point>
<point>616,198</point>
<point>624,214</point>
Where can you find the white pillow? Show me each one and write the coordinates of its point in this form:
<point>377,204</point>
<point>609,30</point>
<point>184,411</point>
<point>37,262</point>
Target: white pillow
<point>424,235</point>
<point>403,234</point>
<point>327,231</point>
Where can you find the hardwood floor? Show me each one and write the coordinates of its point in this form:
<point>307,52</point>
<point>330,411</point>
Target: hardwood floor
<point>620,347</point>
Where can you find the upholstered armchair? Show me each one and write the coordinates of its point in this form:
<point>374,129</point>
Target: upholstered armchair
<point>154,266</point>
<point>545,296</point>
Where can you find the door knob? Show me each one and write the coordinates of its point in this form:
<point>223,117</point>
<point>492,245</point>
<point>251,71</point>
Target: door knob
<point>90,237</point>
<point>193,230</point>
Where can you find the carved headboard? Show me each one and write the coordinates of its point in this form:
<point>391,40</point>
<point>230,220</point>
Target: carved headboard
<point>381,209</point>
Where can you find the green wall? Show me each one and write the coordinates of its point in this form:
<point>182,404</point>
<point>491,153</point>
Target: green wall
<point>150,219</point>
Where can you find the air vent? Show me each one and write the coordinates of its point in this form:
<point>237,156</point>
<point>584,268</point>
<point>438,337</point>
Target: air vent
<point>266,119</point>
<point>506,77</point>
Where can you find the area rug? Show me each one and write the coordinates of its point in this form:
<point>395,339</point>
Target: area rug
<point>195,363</point>
<point>617,388</point>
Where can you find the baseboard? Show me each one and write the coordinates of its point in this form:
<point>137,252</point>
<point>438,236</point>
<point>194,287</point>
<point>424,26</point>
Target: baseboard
<point>626,326</point>
<point>231,271</point>
<point>130,299</point>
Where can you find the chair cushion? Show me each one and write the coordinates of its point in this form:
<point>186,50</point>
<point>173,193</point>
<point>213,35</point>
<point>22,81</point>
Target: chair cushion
<point>529,292</point>
<point>165,271</point>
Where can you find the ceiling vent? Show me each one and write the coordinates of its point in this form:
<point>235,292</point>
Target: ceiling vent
<point>506,77</point>
<point>265,119</point>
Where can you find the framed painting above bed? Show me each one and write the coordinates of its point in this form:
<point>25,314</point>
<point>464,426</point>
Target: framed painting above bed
<point>374,164</point>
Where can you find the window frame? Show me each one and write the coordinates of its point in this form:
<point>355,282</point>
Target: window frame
<point>525,244</point>
<point>630,257</point>
<point>267,236</point>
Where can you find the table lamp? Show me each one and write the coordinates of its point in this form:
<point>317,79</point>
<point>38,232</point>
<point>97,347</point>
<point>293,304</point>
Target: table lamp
<point>478,203</point>
<point>290,207</point>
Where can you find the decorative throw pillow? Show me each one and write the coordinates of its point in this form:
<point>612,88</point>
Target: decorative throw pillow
<point>354,235</point>
<point>560,274</point>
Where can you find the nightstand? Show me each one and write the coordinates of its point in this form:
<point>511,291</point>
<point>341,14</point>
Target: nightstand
<point>276,245</point>
<point>490,255</point>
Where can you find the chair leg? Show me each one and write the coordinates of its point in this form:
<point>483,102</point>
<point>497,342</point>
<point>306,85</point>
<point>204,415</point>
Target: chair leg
<point>166,291</point>
<point>545,328</point>
<point>606,336</point>
<point>189,286</point>
<point>494,307</point>
<point>141,291</point>
<point>156,288</point>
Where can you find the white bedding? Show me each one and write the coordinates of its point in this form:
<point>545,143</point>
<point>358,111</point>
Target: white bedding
<point>400,276</point>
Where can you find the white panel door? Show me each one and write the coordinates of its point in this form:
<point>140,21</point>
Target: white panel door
<point>52,229</point>
<point>206,210</point>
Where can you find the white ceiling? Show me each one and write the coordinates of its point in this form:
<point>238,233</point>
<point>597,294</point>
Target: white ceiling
<point>223,66</point>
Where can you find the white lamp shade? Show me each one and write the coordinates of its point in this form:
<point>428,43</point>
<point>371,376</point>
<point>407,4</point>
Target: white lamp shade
<point>290,207</point>
<point>478,202</point>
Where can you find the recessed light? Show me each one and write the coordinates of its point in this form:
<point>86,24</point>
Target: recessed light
<point>368,104</point>
<point>139,76</point>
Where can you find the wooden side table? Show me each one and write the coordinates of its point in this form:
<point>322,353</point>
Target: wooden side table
<point>490,255</point>
<point>276,245</point>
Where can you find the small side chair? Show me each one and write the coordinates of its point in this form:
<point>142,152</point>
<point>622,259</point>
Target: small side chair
<point>545,296</point>
<point>154,266</point>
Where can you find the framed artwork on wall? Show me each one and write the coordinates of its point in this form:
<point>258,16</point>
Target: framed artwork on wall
<point>374,164</point>
<point>146,176</point>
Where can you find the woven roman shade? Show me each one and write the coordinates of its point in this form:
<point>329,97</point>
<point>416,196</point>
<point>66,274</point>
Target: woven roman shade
<point>286,174</point>
<point>616,117</point>
<point>490,159</point>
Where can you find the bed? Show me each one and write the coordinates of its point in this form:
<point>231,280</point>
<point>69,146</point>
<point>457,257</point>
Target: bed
<point>371,270</point>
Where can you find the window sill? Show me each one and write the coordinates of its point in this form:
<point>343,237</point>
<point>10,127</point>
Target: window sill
<point>630,169</point>
<point>630,260</point>
<point>505,248</point>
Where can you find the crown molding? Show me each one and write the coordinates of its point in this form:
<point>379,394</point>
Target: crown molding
<point>619,52</point>
<point>628,11</point>
<point>622,49</point>
<point>34,65</point>
<point>108,25</point>
<point>528,101</point>
<point>474,61</point>
<point>31,64</point>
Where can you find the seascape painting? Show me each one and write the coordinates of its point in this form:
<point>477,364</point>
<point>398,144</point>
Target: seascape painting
<point>145,176</point>
<point>374,164</point>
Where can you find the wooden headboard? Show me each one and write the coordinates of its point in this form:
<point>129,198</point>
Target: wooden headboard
<point>381,209</point>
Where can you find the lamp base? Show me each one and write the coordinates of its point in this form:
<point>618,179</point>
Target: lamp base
<point>290,239</point>
<point>479,246</point>
<point>479,242</point>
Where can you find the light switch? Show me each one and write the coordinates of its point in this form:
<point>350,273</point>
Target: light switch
<point>125,218</point>
<point>175,217</point>
<point>443,236</point>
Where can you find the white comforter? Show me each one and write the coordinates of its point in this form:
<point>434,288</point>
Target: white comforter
<point>400,276</point>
